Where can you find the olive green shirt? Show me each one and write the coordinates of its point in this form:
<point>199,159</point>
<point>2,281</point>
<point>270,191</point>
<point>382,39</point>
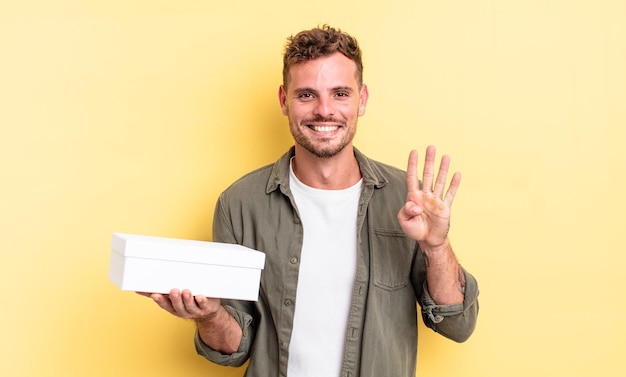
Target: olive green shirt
<point>258,211</point>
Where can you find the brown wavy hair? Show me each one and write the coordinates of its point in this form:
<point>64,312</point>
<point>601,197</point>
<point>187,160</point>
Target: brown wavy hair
<point>319,42</point>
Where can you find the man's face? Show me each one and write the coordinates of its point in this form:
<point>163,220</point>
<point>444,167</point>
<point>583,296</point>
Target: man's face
<point>323,102</point>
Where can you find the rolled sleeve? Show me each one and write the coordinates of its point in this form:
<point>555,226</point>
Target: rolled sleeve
<point>238,358</point>
<point>456,321</point>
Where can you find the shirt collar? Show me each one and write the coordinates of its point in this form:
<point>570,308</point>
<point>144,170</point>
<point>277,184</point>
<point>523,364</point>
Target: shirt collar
<point>372,176</point>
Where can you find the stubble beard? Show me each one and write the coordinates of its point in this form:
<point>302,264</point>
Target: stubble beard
<point>324,148</point>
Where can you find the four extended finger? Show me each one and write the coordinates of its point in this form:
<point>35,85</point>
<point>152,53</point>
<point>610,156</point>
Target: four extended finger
<point>439,187</point>
<point>442,176</point>
<point>454,185</point>
<point>412,181</point>
<point>429,168</point>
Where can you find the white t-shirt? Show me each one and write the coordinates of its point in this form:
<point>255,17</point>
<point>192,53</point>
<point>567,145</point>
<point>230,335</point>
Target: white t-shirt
<point>325,280</point>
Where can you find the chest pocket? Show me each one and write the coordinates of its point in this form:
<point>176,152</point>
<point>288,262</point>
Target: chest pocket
<point>392,257</point>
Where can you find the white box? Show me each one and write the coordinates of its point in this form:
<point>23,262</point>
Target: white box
<point>157,265</point>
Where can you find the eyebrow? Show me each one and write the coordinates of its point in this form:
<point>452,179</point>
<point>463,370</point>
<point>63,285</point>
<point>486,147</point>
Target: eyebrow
<point>304,90</point>
<point>343,89</point>
<point>335,89</point>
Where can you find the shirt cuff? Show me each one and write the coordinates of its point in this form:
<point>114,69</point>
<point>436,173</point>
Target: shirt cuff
<point>241,355</point>
<point>437,313</point>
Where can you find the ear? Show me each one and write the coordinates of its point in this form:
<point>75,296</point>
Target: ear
<point>282,99</point>
<point>363,96</point>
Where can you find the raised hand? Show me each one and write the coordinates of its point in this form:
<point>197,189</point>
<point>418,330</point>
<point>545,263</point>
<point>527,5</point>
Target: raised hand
<point>425,217</point>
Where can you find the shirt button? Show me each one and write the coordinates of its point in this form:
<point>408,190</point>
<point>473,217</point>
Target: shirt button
<point>293,260</point>
<point>288,302</point>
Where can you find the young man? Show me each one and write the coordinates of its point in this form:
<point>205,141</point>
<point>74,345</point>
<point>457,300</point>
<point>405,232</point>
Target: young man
<point>351,244</point>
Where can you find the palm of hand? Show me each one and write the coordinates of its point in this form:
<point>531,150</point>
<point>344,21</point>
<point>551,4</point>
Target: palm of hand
<point>425,217</point>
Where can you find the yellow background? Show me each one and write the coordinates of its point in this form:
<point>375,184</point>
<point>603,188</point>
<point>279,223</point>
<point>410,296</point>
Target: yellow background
<point>132,115</point>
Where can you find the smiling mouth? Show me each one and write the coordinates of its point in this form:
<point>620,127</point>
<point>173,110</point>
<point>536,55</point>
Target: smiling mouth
<point>323,128</point>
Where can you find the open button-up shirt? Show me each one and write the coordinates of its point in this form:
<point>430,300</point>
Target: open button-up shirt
<point>258,211</point>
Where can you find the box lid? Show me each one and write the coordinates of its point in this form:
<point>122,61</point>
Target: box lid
<point>181,250</point>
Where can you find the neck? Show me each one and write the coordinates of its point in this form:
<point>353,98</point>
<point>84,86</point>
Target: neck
<point>333,173</point>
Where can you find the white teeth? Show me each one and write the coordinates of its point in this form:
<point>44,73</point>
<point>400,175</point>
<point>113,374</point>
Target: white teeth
<point>324,128</point>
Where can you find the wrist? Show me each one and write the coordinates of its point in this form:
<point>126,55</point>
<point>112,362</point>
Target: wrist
<point>212,318</point>
<point>430,249</point>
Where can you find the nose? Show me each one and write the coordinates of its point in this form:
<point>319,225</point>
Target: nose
<point>324,107</point>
